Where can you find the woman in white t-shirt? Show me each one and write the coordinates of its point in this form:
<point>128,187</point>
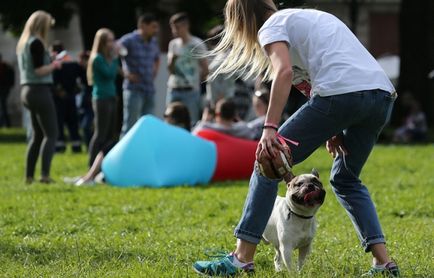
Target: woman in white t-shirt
<point>351,100</point>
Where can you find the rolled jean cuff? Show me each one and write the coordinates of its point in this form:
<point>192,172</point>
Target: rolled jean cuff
<point>247,236</point>
<point>369,241</point>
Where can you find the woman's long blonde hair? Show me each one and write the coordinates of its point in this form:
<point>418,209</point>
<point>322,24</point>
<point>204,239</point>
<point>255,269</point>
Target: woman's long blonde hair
<point>38,25</point>
<point>239,47</point>
<point>99,45</point>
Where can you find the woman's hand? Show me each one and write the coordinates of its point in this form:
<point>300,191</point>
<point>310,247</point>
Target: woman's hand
<point>57,64</point>
<point>335,146</point>
<point>268,144</point>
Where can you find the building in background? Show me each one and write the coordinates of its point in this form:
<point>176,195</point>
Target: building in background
<point>375,22</point>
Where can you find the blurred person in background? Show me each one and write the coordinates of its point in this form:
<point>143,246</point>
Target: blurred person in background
<point>225,121</point>
<point>187,70</point>
<point>260,101</point>
<point>36,78</point>
<point>141,61</point>
<point>102,69</point>
<point>7,81</point>
<point>67,82</point>
<point>415,127</point>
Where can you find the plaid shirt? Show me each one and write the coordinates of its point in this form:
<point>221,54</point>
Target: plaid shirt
<point>140,60</point>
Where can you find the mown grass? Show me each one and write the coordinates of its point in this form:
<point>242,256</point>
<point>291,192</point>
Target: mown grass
<point>63,231</point>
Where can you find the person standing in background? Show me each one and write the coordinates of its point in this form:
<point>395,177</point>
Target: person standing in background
<point>102,69</point>
<point>7,81</point>
<point>141,61</point>
<point>36,79</point>
<point>66,88</point>
<point>186,69</point>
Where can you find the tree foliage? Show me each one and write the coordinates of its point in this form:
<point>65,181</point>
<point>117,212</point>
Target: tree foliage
<point>13,14</point>
<point>417,53</point>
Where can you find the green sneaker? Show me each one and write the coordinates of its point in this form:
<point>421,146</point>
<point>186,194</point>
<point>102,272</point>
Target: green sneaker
<point>390,270</point>
<point>223,266</point>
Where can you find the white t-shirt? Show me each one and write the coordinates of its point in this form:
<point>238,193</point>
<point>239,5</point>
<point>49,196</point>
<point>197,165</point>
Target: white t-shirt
<point>187,70</point>
<point>323,46</point>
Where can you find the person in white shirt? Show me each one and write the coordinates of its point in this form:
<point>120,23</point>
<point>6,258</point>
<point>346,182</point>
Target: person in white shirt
<point>187,69</point>
<point>351,100</point>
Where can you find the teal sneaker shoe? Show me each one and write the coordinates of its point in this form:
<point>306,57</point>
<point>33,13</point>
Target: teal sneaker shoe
<point>223,266</point>
<point>390,270</point>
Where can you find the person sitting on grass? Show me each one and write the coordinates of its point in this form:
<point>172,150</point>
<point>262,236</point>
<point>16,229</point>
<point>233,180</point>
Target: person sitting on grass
<point>176,114</point>
<point>415,128</point>
<point>225,121</point>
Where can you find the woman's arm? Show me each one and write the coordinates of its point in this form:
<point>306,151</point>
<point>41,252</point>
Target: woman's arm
<point>278,53</point>
<point>37,51</point>
<point>282,81</point>
<point>47,69</point>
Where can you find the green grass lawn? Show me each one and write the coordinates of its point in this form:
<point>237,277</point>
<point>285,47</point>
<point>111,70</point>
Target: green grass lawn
<point>63,231</point>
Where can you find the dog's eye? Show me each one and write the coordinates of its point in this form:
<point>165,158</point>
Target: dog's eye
<point>298,184</point>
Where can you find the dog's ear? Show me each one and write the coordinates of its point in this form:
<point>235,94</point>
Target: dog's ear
<point>315,173</point>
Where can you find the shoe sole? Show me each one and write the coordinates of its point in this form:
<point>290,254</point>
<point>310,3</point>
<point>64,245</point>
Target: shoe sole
<point>207,275</point>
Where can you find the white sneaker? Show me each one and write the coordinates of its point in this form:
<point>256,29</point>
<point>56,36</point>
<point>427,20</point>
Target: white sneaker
<point>100,178</point>
<point>71,180</point>
<point>82,182</point>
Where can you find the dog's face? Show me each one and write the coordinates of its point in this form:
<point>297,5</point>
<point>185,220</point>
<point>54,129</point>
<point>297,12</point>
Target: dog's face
<point>306,190</point>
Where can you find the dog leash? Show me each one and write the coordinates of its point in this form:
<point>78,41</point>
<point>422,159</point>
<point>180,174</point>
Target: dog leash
<point>283,140</point>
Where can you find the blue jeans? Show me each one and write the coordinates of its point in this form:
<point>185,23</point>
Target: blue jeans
<point>359,117</point>
<point>136,104</point>
<point>191,99</point>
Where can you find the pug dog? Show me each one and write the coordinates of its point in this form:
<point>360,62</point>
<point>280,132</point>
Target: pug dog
<point>292,223</point>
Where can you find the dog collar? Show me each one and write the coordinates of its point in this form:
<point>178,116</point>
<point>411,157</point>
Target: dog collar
<point>298,215</point>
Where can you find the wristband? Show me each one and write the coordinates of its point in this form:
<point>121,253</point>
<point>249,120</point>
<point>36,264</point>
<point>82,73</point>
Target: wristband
<point>270,126</point>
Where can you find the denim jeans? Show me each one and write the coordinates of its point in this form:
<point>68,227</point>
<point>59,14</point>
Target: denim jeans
<point>191,99</point>
<point>136,104</point>
<point>359,117</point>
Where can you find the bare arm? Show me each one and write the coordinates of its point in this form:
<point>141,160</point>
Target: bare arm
<point>204,71</point>
<point>282,82</point>
<point>280,88</point>
<point>47,69</point>
<point>171,63</point>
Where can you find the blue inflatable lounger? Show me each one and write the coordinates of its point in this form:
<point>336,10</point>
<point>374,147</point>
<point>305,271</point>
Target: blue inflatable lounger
<point>156,154</point>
